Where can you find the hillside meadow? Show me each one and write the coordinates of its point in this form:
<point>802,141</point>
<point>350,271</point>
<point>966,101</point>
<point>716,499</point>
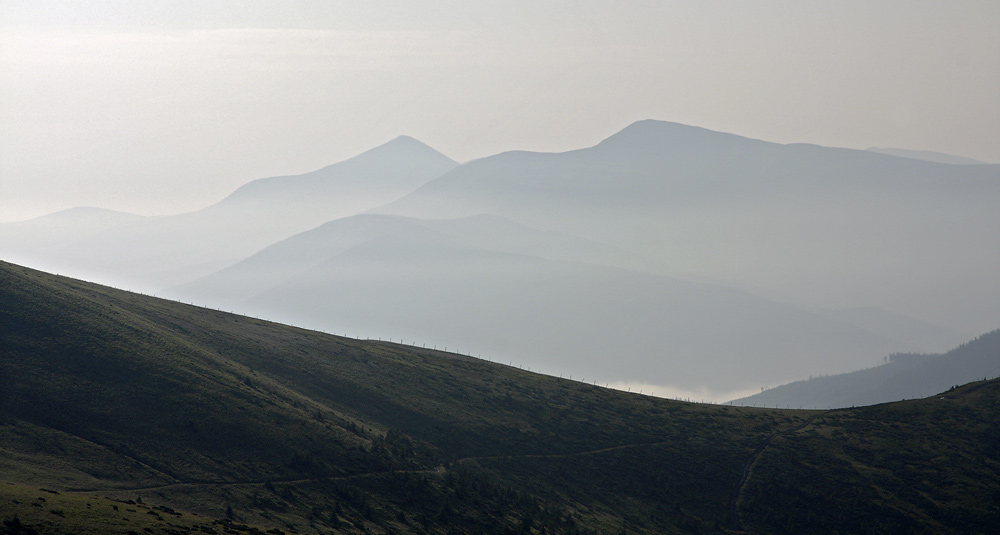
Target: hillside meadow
<point>123,413</point>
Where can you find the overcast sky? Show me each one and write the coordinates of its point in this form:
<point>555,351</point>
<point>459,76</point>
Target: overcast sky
<point>161,107</point>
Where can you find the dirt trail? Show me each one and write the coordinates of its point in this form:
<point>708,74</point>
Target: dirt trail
<point>733,505</point>
<point>734,514</point>
<point>437,470</point>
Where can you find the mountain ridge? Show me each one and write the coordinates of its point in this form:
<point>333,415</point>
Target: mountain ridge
<point>928,155</point>
<point>902,376</point>
<point>799,223</point>
<point>156,252</point>
<point>815,227</point>
<point>414,151</point>
<point>473,293</point>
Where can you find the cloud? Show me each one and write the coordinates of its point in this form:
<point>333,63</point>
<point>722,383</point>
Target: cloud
<point>698,395</point>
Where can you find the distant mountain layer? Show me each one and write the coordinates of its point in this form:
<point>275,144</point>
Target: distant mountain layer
<point>64,226</point>
<point>585,262</point>
<point>662,165</point>
<point>927,155</point>
<point>122,414</point>
<point>798,223</point>
<point>533,300</point>
<point>562,257</point>
<point>154,252</point>
<point>902,377</point>
<point>929,337</point>
<point>385,172</point>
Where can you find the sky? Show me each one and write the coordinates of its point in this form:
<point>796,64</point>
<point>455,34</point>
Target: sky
<point>166,107</point>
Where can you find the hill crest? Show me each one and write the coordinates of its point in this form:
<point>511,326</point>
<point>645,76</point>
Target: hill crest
<point>379,168</point>
<point>217,421</point>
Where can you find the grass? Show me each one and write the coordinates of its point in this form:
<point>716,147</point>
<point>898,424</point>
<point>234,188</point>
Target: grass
<point>920,466</point>
<point>29,509</point>
<point>108,396</point>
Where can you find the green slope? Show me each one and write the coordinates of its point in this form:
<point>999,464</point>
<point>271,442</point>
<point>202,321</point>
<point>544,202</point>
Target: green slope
<point>920,466</point>
<point>107,395</point>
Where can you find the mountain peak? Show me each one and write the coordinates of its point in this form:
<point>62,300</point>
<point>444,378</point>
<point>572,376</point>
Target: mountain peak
<point>649,133</point>
<point>406,146</point>
<point>407,139</point>
<point>403,163</point>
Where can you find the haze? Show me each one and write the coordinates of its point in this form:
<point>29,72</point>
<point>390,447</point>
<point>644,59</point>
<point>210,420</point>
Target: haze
<point>168,107</point>
<point>708,198</point>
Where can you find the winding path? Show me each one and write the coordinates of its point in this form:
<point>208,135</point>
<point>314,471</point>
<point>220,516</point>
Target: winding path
<point>734,513</point>
<point>733,504</point>
<point>437,470</point>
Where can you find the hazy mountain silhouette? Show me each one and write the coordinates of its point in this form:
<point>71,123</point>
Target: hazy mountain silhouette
<point>554,234</point>
<point>81,219</point>
<point>289,258</point>
<point>903,376</point>
<point>38,241</point>
<point>927,155</point>
<point>533,302</point>
<point>156,252</point>
<point>387,171</point>
<point>929,337</point>
<point>806,224</point>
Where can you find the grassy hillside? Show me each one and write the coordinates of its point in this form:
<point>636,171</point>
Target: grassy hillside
<point>921,466</point>
<point>143,415</point>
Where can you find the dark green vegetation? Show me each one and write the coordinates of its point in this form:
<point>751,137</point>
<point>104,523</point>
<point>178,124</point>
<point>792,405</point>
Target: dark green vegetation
<point>194,421</point>
<point>921,466</point>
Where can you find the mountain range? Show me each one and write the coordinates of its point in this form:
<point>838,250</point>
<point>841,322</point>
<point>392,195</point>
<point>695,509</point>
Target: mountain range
<point>801,224</point>
<point>155,252</point>
<point>715,264</point>
<point>537,302</point>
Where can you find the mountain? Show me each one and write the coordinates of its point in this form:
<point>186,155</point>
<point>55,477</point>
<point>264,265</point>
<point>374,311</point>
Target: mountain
<point>385,172</point>
<point>68,224</point>
<point>122,413</point>
<point>660,166</point>
<point>31,241</point>
<point>288,258</point>
<point>489,286</point>
<point>902,376</point>
<point>640,215</point>
<point>915,333</point>
<point>804,224</point>
<point>927,155</point>
<point>156,252</point>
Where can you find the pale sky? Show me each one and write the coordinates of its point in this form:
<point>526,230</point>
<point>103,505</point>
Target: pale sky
<point>163,107</point>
